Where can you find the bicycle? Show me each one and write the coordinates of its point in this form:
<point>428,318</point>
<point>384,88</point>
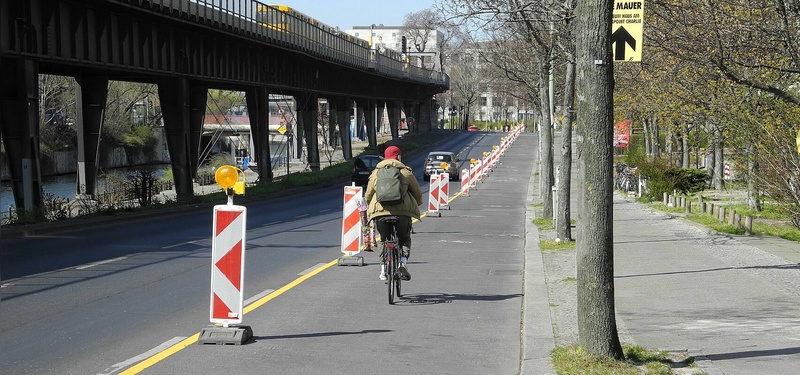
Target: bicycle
<point>393,276</point>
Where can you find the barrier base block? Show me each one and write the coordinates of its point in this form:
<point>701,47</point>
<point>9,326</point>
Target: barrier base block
<point>231,335</point>
<point>352,260</point>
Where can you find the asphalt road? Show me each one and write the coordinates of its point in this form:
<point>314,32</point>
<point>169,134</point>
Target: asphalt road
<point>102,299</point>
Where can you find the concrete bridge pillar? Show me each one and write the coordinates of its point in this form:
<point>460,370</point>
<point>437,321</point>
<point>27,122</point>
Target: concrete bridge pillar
<point>394,107</point>
<point>184,107</point>
<point>427,118</point>
<point>367,106</point>
<point>343,109</point>
<point>90,94</point>
<point>258,108</point>
<point>308,110</point>
<point>19,119</point>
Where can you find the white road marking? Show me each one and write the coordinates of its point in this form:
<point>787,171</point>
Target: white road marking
<point>158,349</point>
<point>181,244</point>
<point>257,297</point>
<point>309,270</point>
<point>90,265</point>
<point>780,325</point>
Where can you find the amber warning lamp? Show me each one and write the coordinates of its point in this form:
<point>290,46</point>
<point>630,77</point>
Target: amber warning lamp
<point>228,178</point>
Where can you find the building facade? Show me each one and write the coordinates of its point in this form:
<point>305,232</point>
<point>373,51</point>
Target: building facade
<point>422,47</point>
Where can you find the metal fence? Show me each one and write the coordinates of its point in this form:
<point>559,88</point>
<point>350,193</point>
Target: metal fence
<point>283,26</point>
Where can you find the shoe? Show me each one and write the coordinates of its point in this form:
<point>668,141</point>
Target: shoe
<point>404,272</point>
<point>382,276</point>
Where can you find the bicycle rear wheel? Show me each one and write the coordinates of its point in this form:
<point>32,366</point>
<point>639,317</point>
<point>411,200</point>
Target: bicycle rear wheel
<point>391,275</point>
<point>398,277</point>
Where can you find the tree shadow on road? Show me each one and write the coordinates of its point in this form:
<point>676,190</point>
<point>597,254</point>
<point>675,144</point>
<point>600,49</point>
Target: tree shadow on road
<point>436,298</point>
<point>320,334</point>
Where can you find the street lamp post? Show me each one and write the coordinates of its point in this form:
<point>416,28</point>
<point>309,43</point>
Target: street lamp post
<point>371,45</point>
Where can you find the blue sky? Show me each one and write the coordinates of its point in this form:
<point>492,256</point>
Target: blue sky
<point>348,13</point>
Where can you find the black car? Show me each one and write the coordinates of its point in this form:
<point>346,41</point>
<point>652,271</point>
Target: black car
<point>362,168</point>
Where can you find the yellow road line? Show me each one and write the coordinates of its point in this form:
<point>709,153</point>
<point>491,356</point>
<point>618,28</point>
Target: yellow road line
<point>291,285</point>
<point>158,357</point>
<point>141,366</point>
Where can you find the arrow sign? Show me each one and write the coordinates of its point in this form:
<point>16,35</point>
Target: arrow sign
<point>627,30</point>
<point>621,38</point>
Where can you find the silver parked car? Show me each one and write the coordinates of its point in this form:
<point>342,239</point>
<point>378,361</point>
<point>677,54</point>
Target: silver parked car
<point>435,160</point>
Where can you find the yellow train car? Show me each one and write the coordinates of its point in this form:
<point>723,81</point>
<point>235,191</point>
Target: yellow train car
<point>274,17</point>
<point>281,17</point>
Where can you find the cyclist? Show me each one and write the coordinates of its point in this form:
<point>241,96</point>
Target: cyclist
<point>403,212</point>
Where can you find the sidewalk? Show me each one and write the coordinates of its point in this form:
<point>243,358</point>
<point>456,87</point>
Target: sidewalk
<point>731,302</point>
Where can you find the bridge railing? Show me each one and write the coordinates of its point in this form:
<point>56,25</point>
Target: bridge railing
<point>286,27</point>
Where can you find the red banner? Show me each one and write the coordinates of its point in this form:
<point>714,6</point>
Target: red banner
<point>622,133</point>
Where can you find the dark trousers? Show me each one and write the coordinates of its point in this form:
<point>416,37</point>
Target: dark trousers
<point>403,233</point>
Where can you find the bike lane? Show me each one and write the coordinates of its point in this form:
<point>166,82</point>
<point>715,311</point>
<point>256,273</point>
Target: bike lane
<point>461,313</point>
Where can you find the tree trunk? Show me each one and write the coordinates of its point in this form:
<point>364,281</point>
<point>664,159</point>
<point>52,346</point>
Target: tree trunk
<point>597,328</point>
<point>656,148</point>
<point>685,159</point>
<point>646,131</point>
<point>710,153</point>
<point>563,217</point>
<point>719,159</point>
<point>547,178</point>
<point>753,198</point>
<point>668,146</point>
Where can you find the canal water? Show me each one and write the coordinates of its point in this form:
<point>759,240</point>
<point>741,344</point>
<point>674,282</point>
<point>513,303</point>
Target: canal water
<point>65,186</point>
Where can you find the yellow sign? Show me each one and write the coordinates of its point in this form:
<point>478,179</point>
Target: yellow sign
<point>627,30</point>
<point>282,129</point>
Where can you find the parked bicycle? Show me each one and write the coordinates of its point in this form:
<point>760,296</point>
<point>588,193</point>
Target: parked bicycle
<point>627,178</point>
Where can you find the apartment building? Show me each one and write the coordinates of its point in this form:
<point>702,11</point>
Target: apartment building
<point>422,46</point>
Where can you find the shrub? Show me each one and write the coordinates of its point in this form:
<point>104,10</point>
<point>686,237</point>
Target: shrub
<point>688,180</point>
<point>661,178</point>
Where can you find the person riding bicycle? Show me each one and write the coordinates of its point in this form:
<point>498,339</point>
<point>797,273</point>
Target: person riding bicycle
<point>403,212</point>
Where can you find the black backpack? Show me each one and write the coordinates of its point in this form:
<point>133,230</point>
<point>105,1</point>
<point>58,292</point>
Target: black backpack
<point>388,188</point>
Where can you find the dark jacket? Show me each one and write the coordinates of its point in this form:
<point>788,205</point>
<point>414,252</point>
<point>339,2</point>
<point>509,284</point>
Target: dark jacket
<point>412,193</point>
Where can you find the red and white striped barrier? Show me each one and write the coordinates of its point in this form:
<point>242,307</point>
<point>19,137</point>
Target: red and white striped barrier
<point>465,181</point>
<point>474,171</point>
<point>444,190</point>
<point>227,264</point>
<point>433,194</point>
<point>351,221</point>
